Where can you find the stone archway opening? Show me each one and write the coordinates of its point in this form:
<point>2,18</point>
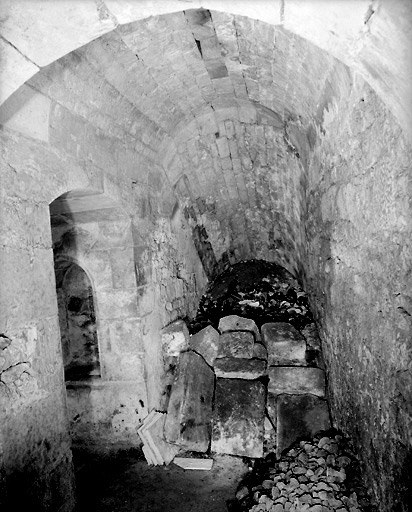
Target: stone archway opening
<point>99,318</point>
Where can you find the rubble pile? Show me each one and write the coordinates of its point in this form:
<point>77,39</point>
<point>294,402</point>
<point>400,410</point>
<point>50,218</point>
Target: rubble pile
<point>262,291</point>
<point>316,475</point>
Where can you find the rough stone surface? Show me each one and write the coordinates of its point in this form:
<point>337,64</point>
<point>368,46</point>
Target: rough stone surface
<point>260,351</point>
<point>206,343</point>
<point>238,418</point>
<point>238,323</point>
<point>299,416</point>
<point>239,368</point>
<point>285,345</point>
<point>359,279</point>
<point>189,414</point>
<point>319,474</point>
<point>236,344</point>
<point>175,339</point>
<point>296,380</point>
<point>311,335</point>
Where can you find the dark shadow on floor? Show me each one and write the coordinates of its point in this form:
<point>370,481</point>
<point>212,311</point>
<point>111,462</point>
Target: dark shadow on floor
<point>125,483</point>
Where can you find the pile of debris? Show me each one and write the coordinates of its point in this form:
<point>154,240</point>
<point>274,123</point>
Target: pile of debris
<point>316,475</point>
<point>262,291</point>
<point>237,391</point>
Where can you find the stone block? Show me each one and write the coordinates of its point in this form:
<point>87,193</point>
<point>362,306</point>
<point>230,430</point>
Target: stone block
<point>15,70</point>
<point>175,339</point>
<point>260,352</point>
<point>310,332</point>
<point>285,345</point>
<point>189,413</point>
<point>238,323</point>
<point>236,344</point>
<point>296,380</point>
<point>299,416</point>
<point>240,368</point>
<point>27,112</point>
<point>206,343</point>
<point>238,419</point>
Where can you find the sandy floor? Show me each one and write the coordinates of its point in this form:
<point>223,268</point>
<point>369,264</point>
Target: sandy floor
<point>126,483</point>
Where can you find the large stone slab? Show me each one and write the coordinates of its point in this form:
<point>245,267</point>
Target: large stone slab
<point>296,380</point>
<point>206,343</point>
<point>240,368</point>
<point>238,323</point>
<point>238,418</point>
<point>285,345</point>
<point>175,339</point>
<point>298,416</point>
<point>236,344</point>
<point>189,413</point>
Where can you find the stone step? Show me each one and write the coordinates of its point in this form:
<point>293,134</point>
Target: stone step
<point>296,380</point>
<point>238,323</point>
<point>238,418</point>
<point>189,414</point>
<point>285,345</point>
<point>240,368</point>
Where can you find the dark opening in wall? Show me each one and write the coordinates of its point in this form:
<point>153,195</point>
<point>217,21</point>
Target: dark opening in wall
<point>77,323</point>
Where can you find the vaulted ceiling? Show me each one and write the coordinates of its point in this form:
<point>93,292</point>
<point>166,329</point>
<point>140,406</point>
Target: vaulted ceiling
<point>228,108</point>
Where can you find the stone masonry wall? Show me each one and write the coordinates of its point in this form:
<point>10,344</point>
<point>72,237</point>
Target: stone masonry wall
<point>52,142</point>
<point>36,448</point>
<point>359,254</point>
<point>103,412</point>
<point>242,187</point>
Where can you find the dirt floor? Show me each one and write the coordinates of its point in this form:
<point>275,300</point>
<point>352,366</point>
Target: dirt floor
<point>125,483</point>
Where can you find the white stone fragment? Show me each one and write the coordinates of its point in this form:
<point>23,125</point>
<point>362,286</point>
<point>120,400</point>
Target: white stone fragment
<point>201,464</point>
<point>175,339</point>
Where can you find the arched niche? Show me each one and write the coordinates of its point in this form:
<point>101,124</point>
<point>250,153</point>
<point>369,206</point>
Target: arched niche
<point>77,318</point>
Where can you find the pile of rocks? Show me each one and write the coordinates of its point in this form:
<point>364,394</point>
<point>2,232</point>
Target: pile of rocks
<point>318,475</point>
<point>259,290</point>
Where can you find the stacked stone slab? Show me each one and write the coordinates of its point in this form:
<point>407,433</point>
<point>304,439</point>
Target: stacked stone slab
<point>240,354</point>
<point>238,419</point>
<point>285,345</point>
<point>240,398</point>
<point>206,343</point>
<point>189,414</point>
<point>236,358</point>
<point>296,391</point>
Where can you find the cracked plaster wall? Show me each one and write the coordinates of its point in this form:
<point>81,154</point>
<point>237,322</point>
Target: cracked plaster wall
<point>359,278</point>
